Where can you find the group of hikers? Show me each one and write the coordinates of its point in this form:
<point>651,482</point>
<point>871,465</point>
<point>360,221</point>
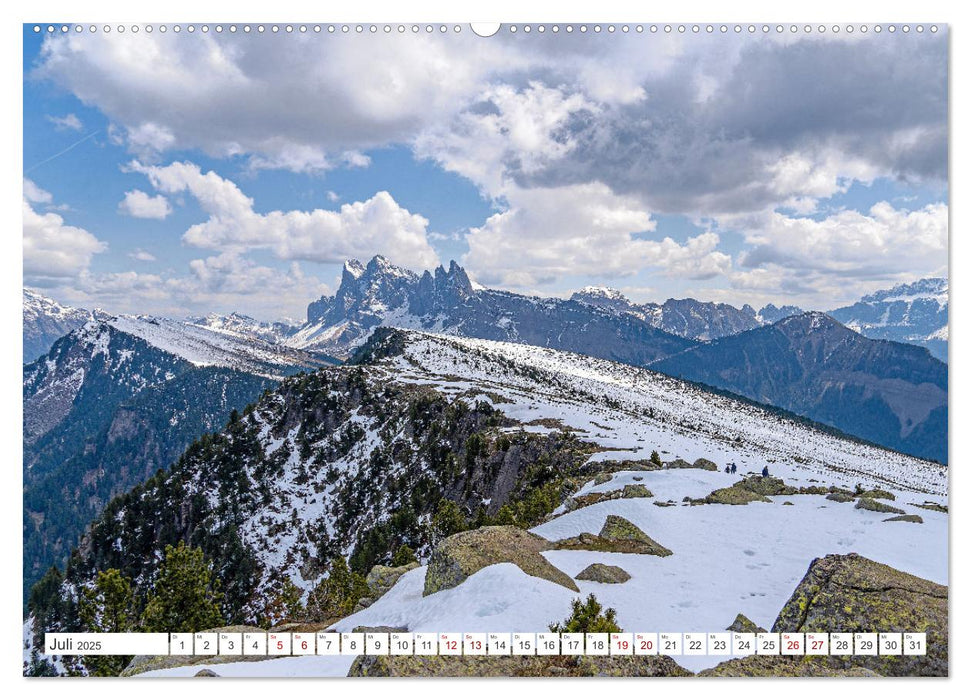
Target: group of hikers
<point>731,468</point>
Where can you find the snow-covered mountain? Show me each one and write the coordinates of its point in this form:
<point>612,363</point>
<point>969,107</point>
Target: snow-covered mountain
<point>204,346</point>
<point>381,293</point>
<point>352,460</point>
<point>119,398</point>
<point>914,313</point>
<point>688,318</point>
<point>275,332</point>
<point>45,320</point>
<point>894,394</point>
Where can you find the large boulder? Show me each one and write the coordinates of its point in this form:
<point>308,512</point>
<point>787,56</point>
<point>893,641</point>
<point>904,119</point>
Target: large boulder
<point>513,666</point>
<point>459,556</point>
<point>617,535</point>
<point>382,579</point>
<point>603,573</point>
<point>849,593</point>
<point>706,464</point>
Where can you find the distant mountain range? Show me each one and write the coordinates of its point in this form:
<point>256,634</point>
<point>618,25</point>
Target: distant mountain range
<point>381,294</point>
<point>893,394</point>
<point>688,318</point>
<point>909,313</point>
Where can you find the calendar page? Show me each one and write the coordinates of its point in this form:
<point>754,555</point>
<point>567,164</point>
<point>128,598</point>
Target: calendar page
<point>485,350</point>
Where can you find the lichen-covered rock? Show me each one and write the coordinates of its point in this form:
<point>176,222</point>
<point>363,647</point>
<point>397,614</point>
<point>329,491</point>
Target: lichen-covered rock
<point>707,464</point>
<point>636,491</point>
<point>588,499</point>
<point>904,519</point>
<point>767,486</point>
<point>743,624</point>
<point>877,506</point>
<point>603,573</point>
<point>841,497</point>
<point>207,673</point>
<point>515,666</point>
<point>637,478</point>
<point>731,496</point>
<point>602,479</point>
<point>878,493</point>
<point>678,464</point>
<point>617,535</point>
<point>459,556</point>
<point>849,593</point>
<point>143,664</point>
<point>782,666</point>
<point>382,579</point>
<point>930,505</point>
<point>665,504</point>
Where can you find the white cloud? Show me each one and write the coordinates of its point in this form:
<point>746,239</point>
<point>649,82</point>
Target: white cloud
<point>356,230</point>
<point>548,233</point>
<point>850,242</point>
<point>35,194</point>
<point>69,122</point>
<point>144,206</point>
<point>141,255</point>
<point>223,283</point>
<point>53,249</point>
<point>510,129</point>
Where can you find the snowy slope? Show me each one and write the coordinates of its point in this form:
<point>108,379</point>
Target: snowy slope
<point>727,559</point>
<point>612,404</point>
<point>46,320</point>
<point>205,347</point>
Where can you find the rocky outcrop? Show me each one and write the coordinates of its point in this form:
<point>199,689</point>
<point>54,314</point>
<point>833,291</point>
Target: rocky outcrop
<point>743,624</point>
<point>459,556</point>
<point>876,506</point>
<point>617,535</point>
<point>603,573</point>
<point>588,499</point>
<point>849,593</point>
<point>759,488</point>
<point>904,519</point>
<point>841,497</point>
<point>513,666</point>
<point>382,579</point>
<point>930,505</point>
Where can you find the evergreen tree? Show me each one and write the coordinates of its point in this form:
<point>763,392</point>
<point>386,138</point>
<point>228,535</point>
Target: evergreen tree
<point>336,595</point>
<point>186,597</point>
<point>404,555</point>
<point>107,606</point>
<point>283,605</point>
<point>505,516</point>
<point>448,520</point>
<point>656,458</point>
<point>588,617</point>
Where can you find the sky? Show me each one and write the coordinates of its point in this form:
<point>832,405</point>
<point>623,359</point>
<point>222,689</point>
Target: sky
<point>177,173</point>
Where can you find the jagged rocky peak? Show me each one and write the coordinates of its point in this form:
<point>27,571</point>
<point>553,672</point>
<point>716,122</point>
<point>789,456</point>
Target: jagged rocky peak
<point>770,313</point>
<point>595,293</point>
